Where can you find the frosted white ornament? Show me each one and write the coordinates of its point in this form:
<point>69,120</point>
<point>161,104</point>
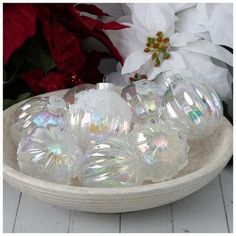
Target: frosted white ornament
<point>163,150</point>
<point>71,95</point>
<point>97,114</point>
<point>112,163</point>
<point>144,99</point>
<point>49,154</point>
<point>38,112</point>
<point>192,105</point>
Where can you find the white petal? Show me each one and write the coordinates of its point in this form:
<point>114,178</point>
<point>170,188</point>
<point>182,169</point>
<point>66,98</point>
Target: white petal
<point>218,20</point>
<point>134,61</point>
<point>181,6</point>
<point>154,72</point>
<point>118,67</point>
<point>187,21</point>
<point>125,40</point>
<point>118,79</point>
<point>203,68</point>
<point>207,48</point>
<point>150,70</point>
<point>154,17</point>
<point>182,39</point>
<point>126,8</point>
<point>125,18</point>
<point>174,63</point>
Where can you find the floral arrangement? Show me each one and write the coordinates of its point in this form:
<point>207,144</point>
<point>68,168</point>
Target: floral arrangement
<point>44,50</point>
<point>108,135</point>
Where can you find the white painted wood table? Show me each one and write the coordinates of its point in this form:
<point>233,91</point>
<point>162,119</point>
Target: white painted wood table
<point>208,210</point>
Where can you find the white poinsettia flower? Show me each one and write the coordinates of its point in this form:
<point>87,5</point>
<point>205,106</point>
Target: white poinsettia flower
<point>214,21</point>
<point>152,43</point>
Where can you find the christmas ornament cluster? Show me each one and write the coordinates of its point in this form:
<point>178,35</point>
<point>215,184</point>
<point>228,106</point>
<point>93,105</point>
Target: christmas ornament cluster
<point>106,136</point>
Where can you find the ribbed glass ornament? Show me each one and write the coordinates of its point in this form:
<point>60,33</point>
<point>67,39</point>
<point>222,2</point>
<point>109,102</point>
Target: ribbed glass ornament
<point>49,154</point>
<point>38,112</point>
<point>193,106</point>
<point>144,99</point>
<point>164,150</point>
<point>97,114</point>
<point>112,163</point>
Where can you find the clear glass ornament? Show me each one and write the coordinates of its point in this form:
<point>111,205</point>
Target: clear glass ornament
<point>112,163</point>
<point>97,114</point>
<point>49,154</point>
<point>164,150</point>
<point>144,99</point>
<point>38,112</point>
<point>71,95</point>
<point>192,105</point>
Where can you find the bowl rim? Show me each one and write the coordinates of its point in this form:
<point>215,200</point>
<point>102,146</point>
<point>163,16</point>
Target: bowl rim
<point>10,173</point>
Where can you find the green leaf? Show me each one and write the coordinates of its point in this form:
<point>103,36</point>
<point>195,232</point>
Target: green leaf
<point>13,77</point>
<point>33,55</point>
<point>23,96</point>
<point>9,102</point>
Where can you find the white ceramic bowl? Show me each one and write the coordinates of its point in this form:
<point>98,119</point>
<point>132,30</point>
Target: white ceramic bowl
<point>207,158</point>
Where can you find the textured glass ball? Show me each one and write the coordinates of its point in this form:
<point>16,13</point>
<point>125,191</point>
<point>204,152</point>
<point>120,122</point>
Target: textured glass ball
<point>71,95</point>
<point>49,154</point>
<point>164,150</point>
<point>112,163</point>
<point>144,99</point>
<point>97,114</point>
<point>193,106</point>
<point>38,112</point>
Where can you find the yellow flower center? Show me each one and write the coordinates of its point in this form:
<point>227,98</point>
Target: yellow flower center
<point>158,46</point>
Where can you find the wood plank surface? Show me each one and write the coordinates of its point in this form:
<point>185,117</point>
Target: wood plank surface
<point>11,198</point>
<point>226,178</point>
<point>201,212</point>
<point>84,222</point>
<point>35,216</point>
<point>156,220</point>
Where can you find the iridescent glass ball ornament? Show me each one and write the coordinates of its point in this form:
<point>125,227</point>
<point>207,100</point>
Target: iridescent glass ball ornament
<point>164,150</point>
<point>192,105</point>
<point>49,154</point>
<point>112,163</point>
<point>97,114</point>
<point>144,100</point>
<point>38,112</point>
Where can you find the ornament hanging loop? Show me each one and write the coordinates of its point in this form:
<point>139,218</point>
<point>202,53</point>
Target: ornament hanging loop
<point>56,104</point>
<point>170,78</point>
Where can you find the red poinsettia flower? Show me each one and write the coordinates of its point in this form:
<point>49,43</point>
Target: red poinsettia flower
<point>40,82</point>
<point>19,23</point>
<point>63,26</point>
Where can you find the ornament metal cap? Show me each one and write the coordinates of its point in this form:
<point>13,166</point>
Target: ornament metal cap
<point>105,86</point>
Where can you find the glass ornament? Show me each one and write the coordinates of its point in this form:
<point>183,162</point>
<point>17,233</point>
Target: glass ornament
<point>71,95</point>
<point>144,100</point>
<point>49,154</point>
<point>112,163</point>
<point>38,112</point>
<point>164,150</point>
<point>97,114</point>
<point>192,105</point>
